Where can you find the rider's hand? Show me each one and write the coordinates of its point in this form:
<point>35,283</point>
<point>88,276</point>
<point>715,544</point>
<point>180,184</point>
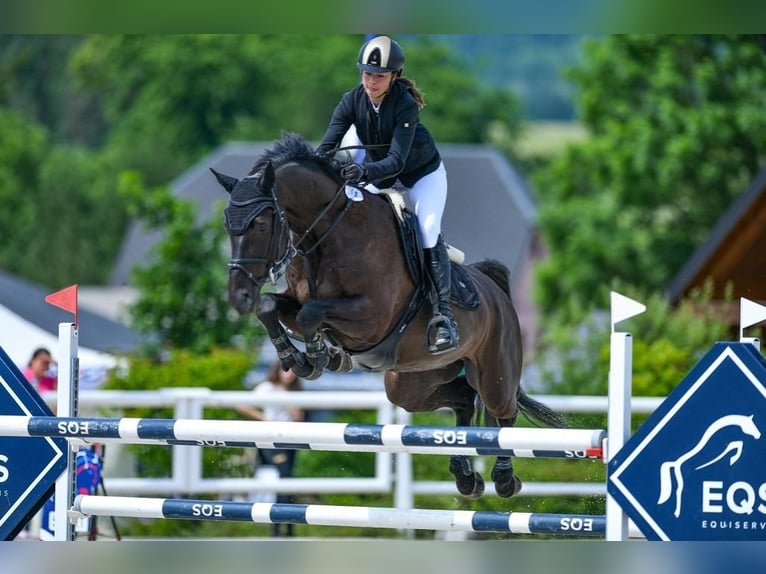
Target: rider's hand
<point>353,173</point>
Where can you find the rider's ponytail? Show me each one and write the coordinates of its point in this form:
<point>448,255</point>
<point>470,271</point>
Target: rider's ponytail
<point>411,88</point>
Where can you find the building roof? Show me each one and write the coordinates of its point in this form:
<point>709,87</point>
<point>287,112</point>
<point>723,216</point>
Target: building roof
<point>734,253</point>
<point>489,212</point>
<point>27,301</point>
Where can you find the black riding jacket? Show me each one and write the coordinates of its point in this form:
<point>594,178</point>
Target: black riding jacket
<point>412,152</point>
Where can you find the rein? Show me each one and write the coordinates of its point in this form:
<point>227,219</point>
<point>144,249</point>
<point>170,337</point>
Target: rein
<point>293,250</point>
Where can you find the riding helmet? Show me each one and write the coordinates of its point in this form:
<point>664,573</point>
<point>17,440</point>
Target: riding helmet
<point>379,55</point>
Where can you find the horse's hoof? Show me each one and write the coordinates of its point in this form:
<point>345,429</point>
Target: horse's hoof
<point>469,483</point>
<point>509,488</point>
<point>340,361</point>
<point>319,360</point>
<point>303,370</point>
<point>478,488</point>
<point>471,486</point>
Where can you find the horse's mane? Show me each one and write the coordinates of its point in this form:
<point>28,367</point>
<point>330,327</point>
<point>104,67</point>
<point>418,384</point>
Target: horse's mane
<point>292,147</point>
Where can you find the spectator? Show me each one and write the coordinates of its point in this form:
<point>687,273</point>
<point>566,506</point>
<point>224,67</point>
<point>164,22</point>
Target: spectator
<point>278,380</point>
<point>38,371</point>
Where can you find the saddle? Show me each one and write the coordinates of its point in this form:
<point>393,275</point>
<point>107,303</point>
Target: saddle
<point>462,293</point>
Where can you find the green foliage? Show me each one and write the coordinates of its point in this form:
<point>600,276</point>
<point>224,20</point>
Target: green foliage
<point>670,150</point>
<point>668,343</point>
<point>34,82</point>
<point>533,68</point>
<point>23,145</point>
<point>148,106</point>
<point>182,289</point>
<point>63,221</point>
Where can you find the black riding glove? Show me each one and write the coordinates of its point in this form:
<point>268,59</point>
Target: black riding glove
<point>353,173</point>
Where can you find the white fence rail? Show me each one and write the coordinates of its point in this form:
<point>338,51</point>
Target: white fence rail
<point>393,471</point>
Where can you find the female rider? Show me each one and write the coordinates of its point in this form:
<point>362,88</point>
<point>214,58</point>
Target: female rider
<point>385,110</point>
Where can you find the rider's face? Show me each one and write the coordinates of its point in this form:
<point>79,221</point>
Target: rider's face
<point>376,85</point>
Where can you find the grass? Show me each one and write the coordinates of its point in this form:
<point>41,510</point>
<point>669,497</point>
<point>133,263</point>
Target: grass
<point>546,138</point>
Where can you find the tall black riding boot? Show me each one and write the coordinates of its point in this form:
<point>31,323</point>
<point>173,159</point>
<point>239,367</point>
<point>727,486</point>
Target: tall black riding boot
<point>438,264</point>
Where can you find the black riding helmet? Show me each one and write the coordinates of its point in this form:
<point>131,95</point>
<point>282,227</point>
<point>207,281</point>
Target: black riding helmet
<point>379,55</point>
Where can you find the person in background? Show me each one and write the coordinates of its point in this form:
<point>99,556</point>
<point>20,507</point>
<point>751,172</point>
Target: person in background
<point>38,371</point>
<point>278,380</point>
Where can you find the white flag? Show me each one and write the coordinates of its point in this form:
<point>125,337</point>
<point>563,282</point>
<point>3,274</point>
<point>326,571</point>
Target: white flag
<point>750,313</point>
<point>624,308</point>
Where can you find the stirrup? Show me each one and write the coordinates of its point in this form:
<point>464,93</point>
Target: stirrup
<point>441,345</point>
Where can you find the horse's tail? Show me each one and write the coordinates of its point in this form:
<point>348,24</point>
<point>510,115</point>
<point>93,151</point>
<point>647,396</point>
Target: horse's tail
<point>531,408</point>
<point>537,410</point>
<point>496,271</point>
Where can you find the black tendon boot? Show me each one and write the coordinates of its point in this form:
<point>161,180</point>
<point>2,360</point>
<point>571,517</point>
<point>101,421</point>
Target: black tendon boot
<point>446,336</point>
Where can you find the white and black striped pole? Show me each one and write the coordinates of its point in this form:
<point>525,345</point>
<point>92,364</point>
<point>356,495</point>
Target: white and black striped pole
<point>347,437</point>
<point>354,516</point>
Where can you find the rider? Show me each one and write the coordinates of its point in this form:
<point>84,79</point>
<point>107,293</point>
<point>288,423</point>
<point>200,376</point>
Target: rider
<point>385,110</point>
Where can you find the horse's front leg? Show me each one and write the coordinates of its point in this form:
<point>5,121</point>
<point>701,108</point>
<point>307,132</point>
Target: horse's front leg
<point>267,311</point>
<point>348,316</point>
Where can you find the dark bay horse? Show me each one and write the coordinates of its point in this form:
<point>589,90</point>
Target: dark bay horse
<point>349,290</point>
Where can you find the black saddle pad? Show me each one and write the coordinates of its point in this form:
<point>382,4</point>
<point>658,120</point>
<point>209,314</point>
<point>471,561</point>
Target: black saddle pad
<point>463,291</point>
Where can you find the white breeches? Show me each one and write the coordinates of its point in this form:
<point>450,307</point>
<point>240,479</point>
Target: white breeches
<point>428,197</point>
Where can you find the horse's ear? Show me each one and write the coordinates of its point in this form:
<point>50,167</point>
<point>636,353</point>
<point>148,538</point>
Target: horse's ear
<point>226,181</point>
<point>267,179</point>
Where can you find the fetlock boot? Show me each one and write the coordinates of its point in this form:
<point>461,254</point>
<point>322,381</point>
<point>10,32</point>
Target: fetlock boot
<point>446,336</point>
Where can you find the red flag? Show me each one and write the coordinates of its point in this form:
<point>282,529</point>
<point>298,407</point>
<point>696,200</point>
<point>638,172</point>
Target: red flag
<point>65,299</point>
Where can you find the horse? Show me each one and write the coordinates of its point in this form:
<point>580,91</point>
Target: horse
<point>355,298</point>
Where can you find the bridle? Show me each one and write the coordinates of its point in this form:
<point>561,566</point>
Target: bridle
<point>258,204</point>
<point>290,249</point>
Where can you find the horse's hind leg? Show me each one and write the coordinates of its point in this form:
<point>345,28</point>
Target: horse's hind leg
<point>427,391</point>
<point>500,409</point>
<point>469,482</point>
<point>506,482</point>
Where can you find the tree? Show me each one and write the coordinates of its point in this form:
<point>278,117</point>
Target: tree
<point>62,220</point>
<point>677,133</point>
<point>182,288</point>
<point>170,99</point>
<point>35,81</point>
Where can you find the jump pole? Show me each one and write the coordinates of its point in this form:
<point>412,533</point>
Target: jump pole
<point>354,516</point>
<point>615,522</point>
<point>346,437</point>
